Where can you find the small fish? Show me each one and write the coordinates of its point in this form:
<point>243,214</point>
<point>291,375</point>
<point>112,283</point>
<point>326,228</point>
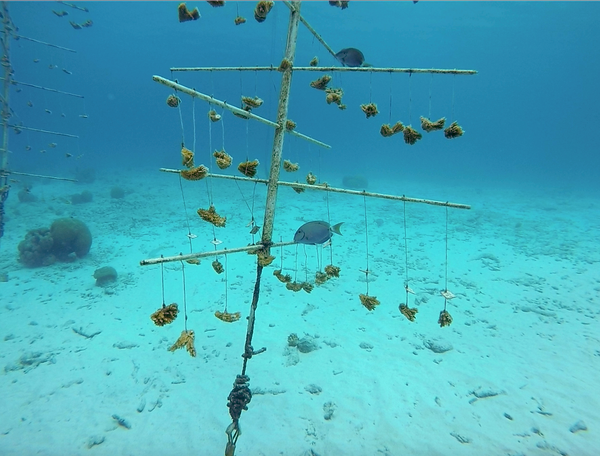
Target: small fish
<point>66,71</point>
<point>75,25</point>
<point>17,89</point>
<point>87,23</point>
<point>53,145</point>
<point>43,151</point>
<point>36,60</point>
<point>27,147</point>
<point>83,116</point>
<point>68,155</point>
<point>350,57</point>
<point>62,114</point>
<point>60,13</point>
<point>30,104</point>
<point>51,67</point>
<point>318,232</point>
<point>48,111</point>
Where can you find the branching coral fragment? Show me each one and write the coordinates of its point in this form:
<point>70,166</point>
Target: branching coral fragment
<point>194,174</point>
<point>186,339</point>
<point>321,278</point>
<point>187,157</point>
<point>255,102</point>
<point>261,10</point>
<point>398,127</point>
<point>453,131</point>
<point>165,315</point>
<point>370,109</point>
<point>284,65</point>
<point>290,125</point>
<point>173,101</point>
<point>289,166</point>
<point>186,15</point>
<point>293,286</point>
<point>218,266</point>
<point>210,215</point>
<point>429,126</point>
<point>408,312</point>
<point>213,116</point>
<point>411,136</point>
<point>239,20</point>
<point>216,3</point>
<point>445,319</point>
<point>386,131</point>
<point>281,277</point>
<point>334,96</point>
<point>248,168</point>
<point>321,83</point>
<point>264,259</point>
<point>332,271</point>
<point>223,159</point>
<point>311,179</point>
<point>370,302</point>
<point>228,317</point>
<point>314,61</point>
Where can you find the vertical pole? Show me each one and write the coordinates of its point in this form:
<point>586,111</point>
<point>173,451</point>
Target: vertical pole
<point>5,111</point>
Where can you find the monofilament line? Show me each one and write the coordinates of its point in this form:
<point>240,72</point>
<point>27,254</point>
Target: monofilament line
<point>185,316</point>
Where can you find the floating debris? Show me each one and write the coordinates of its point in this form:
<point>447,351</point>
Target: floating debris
<point>248,168</point>
<point>255,229</point>
<point>68,155</point>
<point>239,20</point>
<point>261,10</point>
<point>185,15</point>
<point>321,83</point>
<point>66,71</point>
<point>314,61</point>
<point>62,114</point>
<point>43,151</point>
<point>27,147</point>
<point>173,101</point>
<point>429,126</point>
<point>453,131</point>
<point>411,136</point>
<point>52,66</point>
<point>60,13</point>
<point>80,8</point>
<point>370,109</point>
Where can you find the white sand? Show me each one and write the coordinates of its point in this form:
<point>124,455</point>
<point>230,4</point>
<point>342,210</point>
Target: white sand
<point>522,263</point>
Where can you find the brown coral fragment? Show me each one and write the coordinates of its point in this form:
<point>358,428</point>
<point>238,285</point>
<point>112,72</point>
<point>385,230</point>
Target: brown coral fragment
<point>321,278</point>
<point>210,215</point>
<point>194,174</point>
<point>398,127</point>
<point>218,266</point>
<point>223,159</point>
<point>240,115</point>
<point>173,101</point>
<point>194,261</point>
<point>453,131</point>
<point>335,96</point>
<point>290,125</point>
<point>408,312</point>
<point>332,271</point>
<point>411,135</point>
<point>187,157</point>
<point>216,3</point>
<point>298,189</point>
<point>284,65</point>
<point>340,3</point>
<point>430,126</point>
<point>213,116</point>
<point>321,83</point>
<point>187,15</point>
<point>253,102</point>
<point>370,302</point>
<point>261,10</point>
<point>283,278</point>
<point>386,131</point>
<point>248,168</point>
<point>445,319</point>
<point>308,287</point>
<point>228,317</point>
<point>314,61</point>
<point>311,179</point>
<point>165,315</point>
<point>186,339</point>
<point>289,166</point>
<point>293,286</point>
<point>239,20</point>
<point>370,109</point>
<point>264,259</point>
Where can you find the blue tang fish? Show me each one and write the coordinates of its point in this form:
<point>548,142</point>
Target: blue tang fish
<point>318,232</point>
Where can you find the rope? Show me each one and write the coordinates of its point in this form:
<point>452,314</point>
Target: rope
<point>187,220</point>
<point>390,119</point>
<point>162,281</point>
<point>430,86</point>
<point>409,99</point>
<point>405,255</point>
<point>194,121</point>
<point>446,273</point>
<point>184,298</point>
<point>367,243</point>
<point>226,283</point>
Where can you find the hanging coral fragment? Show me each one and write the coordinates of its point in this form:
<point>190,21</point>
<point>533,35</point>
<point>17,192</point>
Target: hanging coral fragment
<point>194,174</point>
<point>261,10</point>
<point>252,102</point>
<point>228,317</point>
<point>387,130</point>
<point>248,168</point>
<point>408,312</point>
<point>216,3</point>
<point>453,131</point>
<point>213,116</point>
<point>314,61</point>
<point>411,136</point>
<point>311,179</point>
<point>239,20</point>
<point>429,126</point>
<point>332,271</point>
<point>223,159</point>
<point>290,125</point>
<point>173,101</point>
<point>218,266</point>
<point>370,302</point>
<point>283,278</point>
<point>187,15</point>
<point>210,215</point>
<point>370,109</point>
<point>289,166</point>
<point>335,96</point>
<point>445,319</point>
<point>165,315</point>
<point>186,339</point>
<point>187,157</point>
<point>321,83</point>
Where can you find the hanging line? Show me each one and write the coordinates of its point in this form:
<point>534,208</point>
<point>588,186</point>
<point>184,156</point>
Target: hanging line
<point>453,84</point>
<point>390,119</point>
<point>405,256</point>
<point>187,220</point>
<point>180,120</point>
<point>409,99</point>
<point>281,254</point>
<point>226,283</point>
<point>430,86</point>
<point>184,297</point>
<point>296,265</point>
<point>162,281</point>
<point>329,221</point>
<point>367,243</point>
<point>305,263</point>
<point>446,273</point>
<point>209,191</point>
<point>194,122</point>
<point>370,86</point>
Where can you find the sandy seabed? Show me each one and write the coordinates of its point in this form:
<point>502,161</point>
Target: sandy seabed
<point>84,370</point>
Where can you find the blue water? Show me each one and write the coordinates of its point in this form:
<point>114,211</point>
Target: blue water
<point>524,260</point>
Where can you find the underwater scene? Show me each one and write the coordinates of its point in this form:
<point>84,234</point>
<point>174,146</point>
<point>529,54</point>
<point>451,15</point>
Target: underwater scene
<point>300,228</point>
